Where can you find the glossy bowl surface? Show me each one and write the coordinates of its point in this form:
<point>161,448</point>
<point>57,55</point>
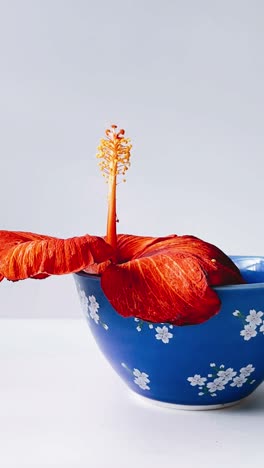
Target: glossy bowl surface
<point>209,365</point>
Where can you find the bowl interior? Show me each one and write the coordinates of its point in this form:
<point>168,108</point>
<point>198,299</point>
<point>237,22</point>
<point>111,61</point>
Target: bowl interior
<point>251,268</point>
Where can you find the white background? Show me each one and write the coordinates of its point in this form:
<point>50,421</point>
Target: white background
<point>185,79</point>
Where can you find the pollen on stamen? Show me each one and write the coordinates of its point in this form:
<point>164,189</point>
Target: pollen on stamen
<point>114,152</point>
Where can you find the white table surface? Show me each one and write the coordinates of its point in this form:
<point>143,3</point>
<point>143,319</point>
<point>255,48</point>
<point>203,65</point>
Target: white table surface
<point>61,405</point>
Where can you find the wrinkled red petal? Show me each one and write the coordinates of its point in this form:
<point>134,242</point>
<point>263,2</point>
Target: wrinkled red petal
<point>97,268</point>
<point>219,268</point>
<point>170,279</point>
<point>178,293</point>
<point>129,246</point>
<point>9,239</point>
<point>27,255</point>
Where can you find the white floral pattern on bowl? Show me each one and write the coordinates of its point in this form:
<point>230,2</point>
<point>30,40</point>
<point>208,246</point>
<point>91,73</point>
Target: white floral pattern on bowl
<point>253,323</point>
<point>140,378</point>
<point>220,377</point>
<point>90,307</point>
<point>93,308</point>
<point>163,332</point>
<point>83,300</point>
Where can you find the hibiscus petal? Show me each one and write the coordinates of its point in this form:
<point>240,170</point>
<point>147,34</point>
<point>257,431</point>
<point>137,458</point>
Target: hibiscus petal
<point>160,289</point>
<point>97,268</point>
<point>28,255</point>
<point>219,267</point>
<point>129,246</point>
<point>170,280</point>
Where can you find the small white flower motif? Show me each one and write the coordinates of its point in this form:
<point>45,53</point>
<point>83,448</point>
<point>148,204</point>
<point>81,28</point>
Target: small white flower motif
<point>248,332</point>
<point>254,317</point>
<point>223,377</point>
<point>253,323</point>
<point>94,315</point>
<point>236,313</point>
<point>162,331</point>
<point>238,381</point>
<point>93,304</point>
<point>212,364</point>
<point>246,371</point>
<point>226,375</point>
<point>84,301</point>
<point>197,380</point>
<point>217,384</point>
<point>90,306</point>
<point>163,334</point>
<point>141,379</point>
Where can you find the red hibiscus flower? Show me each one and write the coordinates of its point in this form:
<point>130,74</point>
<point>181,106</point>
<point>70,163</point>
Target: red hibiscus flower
<point>166,279</point>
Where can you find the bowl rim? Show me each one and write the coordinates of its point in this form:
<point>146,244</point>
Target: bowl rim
<point>228,287</point>
<point>244,286</point>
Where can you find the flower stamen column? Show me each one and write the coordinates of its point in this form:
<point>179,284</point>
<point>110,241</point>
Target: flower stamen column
<point>114,155</point>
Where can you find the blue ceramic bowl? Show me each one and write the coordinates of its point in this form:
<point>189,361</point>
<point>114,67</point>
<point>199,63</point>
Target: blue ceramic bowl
<point>214,364</point>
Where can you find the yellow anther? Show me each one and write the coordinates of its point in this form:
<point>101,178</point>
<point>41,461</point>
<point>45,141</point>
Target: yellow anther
<point>114,152</point>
